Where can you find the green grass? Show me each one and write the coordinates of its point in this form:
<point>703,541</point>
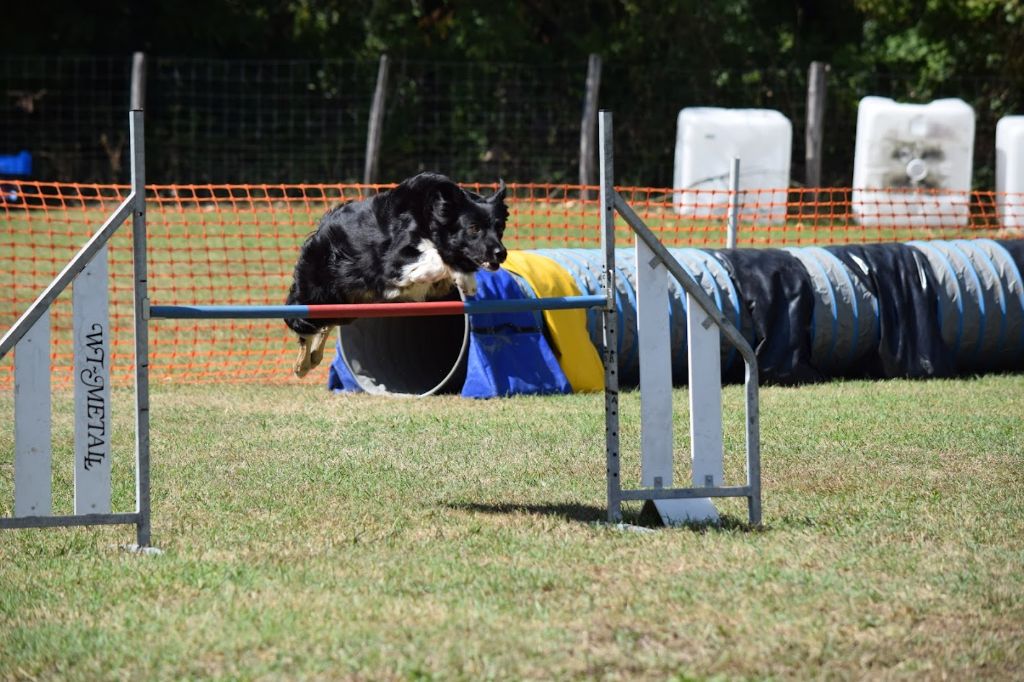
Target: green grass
<point>311,535</point>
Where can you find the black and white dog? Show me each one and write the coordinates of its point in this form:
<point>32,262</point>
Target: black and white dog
<point>410,243</point>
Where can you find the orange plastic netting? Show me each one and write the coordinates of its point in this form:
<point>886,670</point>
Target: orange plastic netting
<point>236,244</point>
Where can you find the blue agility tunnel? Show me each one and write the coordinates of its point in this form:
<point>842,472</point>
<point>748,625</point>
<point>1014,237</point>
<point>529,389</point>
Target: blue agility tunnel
<point>922,309</point>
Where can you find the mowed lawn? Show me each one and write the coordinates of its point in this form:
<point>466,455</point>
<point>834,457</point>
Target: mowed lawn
<point>308,535</point>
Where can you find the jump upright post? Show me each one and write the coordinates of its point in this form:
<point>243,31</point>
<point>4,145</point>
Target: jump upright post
<point>30,339</point>
<point>704,320</point>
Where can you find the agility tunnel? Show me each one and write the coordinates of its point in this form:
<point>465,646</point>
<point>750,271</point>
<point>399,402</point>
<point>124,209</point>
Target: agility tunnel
<point>921,309</point>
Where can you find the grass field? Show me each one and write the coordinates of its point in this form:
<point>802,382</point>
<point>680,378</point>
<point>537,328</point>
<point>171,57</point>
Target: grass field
<point>308,535</point>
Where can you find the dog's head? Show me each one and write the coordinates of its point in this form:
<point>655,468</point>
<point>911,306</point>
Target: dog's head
<point>465,227</point>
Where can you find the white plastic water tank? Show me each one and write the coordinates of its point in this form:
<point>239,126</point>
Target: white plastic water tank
<point>707,140</point>
<point>912,162</point>
<point>1010,171</point>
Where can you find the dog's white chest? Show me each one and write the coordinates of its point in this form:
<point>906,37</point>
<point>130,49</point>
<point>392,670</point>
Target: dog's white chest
<point>428,273</point>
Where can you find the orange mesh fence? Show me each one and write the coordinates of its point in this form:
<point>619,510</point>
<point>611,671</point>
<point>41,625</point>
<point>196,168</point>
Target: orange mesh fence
<point>236,244</point>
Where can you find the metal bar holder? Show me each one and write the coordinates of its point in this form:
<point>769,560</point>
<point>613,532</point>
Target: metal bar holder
<point>32,436</point>
<point>673,504</point>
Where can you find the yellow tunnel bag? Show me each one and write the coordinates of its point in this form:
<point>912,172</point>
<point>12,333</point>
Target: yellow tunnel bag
<point>570,341</point>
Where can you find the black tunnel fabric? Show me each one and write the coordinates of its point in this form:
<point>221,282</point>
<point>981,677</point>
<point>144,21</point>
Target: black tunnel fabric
<point>776,292</point>
<point>902,281</point>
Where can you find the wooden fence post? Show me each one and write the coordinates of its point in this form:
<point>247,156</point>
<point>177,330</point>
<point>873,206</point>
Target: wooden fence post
<point>588,126</point>
<point>376,123</point>
<point>814,133</point>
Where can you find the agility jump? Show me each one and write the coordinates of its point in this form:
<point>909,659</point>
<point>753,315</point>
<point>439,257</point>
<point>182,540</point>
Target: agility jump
<point>29,338</point>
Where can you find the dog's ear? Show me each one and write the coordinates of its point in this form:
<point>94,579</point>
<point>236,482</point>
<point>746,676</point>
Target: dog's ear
<point>443,202</point>
<point>499,195</point>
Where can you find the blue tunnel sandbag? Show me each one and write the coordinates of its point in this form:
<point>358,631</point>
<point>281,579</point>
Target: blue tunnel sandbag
<point>508,354</point>
<point>339,376</point>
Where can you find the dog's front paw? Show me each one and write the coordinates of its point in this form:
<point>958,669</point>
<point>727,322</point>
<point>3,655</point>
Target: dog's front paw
<point>316,352</point>
<point>302,363</point>
<point>466,282</point>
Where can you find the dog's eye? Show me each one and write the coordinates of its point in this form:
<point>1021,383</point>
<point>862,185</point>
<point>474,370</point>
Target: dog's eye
<point>473,229</point>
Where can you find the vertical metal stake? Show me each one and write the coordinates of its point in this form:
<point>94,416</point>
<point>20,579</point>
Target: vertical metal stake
<point>753,445</point>
<point>138,92</point>
<point>734,204</point>
<point>33,431</point>
<point>610,319</point>
<point>138,152</point>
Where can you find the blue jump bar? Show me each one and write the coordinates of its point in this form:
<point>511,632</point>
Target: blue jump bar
<point>530,304</point>
<point>430,308</point>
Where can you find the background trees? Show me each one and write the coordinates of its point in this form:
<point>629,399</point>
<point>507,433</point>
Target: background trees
<point>659,56</point>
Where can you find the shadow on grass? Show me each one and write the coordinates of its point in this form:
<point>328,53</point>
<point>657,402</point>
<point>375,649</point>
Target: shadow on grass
<point>586,513</point>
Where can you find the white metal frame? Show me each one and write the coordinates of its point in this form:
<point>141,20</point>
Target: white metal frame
<point>30,340</point>
<point>704,325</point>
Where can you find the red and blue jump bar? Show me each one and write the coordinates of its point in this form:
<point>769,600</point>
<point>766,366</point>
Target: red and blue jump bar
<point>358,310</point>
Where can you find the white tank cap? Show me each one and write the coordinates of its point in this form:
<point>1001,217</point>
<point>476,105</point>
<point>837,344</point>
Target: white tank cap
<point>917,170</point>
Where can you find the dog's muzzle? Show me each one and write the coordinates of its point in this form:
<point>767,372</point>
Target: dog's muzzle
<point>498,256</point>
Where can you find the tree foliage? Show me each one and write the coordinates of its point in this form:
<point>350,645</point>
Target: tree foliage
<point>935,39</point>
<point>659,55</point>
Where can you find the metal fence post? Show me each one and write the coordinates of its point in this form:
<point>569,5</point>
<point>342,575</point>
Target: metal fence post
<point>376,123</point>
